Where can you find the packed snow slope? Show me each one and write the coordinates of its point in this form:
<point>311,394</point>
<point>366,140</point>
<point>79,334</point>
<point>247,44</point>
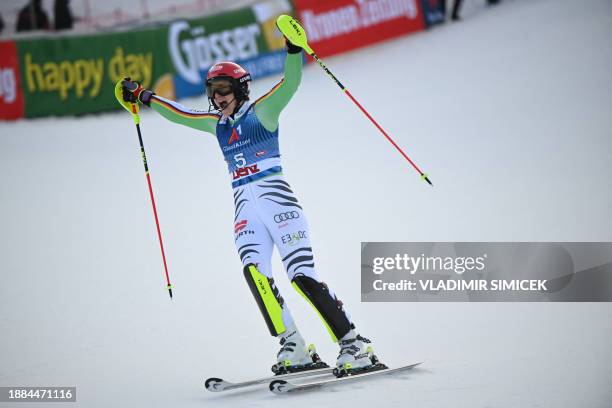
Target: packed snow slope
<point>509,112</point>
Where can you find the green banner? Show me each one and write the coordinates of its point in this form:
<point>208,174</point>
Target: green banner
<point>247,36</point>
<point>75,75</point>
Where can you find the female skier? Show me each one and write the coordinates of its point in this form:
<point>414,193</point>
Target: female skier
<point>266,210</point>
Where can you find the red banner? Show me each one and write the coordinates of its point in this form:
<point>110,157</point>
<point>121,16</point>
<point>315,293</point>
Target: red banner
<point>335,26</point>
<point>11,96</point>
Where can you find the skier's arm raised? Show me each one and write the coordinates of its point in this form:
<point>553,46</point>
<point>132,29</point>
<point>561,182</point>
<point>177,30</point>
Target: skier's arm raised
<point>173,111</point>
<point>269,106</point>
<point>177,113</point>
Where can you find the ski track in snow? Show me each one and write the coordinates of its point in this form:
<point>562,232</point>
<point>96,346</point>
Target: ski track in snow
<point>507,111</point>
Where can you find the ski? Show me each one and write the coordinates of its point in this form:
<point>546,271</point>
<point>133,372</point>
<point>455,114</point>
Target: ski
<point>217,384</point>
<point>282,386</point>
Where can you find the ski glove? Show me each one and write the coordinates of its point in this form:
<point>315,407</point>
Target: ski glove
<point>292,48</point>
<point>134,92</point>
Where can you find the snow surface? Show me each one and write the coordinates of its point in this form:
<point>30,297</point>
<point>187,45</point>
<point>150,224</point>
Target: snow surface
<point>508,111</point>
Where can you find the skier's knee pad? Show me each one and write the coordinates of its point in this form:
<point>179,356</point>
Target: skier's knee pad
<point>267,297</point>
<point>329,308</point>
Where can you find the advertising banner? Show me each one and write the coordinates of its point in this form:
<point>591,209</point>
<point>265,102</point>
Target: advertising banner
<point>76,75</point>
<point>336,26</point>
<point>11,96</point>
<point>247,36</point>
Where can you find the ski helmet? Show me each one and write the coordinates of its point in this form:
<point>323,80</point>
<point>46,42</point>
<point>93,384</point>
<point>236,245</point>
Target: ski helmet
<point>225,78</point>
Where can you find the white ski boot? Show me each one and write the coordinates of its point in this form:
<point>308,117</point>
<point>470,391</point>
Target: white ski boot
<point>356,355</point>
<point>294,355</point>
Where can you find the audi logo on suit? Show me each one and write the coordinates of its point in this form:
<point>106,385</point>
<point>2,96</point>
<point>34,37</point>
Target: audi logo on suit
<point>286,216</point>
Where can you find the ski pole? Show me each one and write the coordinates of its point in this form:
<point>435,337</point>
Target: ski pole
<point>294,32</point>
<point>133,109</point>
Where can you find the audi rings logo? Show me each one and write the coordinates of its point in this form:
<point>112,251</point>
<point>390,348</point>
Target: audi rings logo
<point>289,215</point>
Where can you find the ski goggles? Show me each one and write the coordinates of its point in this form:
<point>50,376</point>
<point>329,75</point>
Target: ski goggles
<point>219,86</point>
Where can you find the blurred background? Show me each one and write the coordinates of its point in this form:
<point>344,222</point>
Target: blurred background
<point>91,16</point>
<point>50,45</point>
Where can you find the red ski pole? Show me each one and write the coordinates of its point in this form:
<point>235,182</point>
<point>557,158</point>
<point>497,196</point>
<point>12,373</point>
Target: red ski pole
<point>133,109</point>
<point>294,32</point>
<point>146,167</point>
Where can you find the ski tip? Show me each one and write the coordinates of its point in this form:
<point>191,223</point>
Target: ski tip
<point>280,386</point>
<point>214,384</point>
<point>414,365</point>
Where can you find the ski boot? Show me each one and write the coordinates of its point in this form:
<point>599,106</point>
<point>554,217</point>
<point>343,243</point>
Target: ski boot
<point>294,356</point>
<point>356,356</point>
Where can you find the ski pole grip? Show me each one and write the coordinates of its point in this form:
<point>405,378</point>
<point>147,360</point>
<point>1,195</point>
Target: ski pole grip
<point>293,31</point>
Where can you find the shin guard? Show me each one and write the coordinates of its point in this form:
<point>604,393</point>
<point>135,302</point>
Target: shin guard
<point>267,297</point>
<point>329,308</point>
